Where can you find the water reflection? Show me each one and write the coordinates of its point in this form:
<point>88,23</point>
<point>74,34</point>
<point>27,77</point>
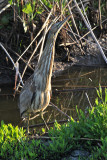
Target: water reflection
<point>76,87</point>
<point>8,106</point>
<point>69,89</point>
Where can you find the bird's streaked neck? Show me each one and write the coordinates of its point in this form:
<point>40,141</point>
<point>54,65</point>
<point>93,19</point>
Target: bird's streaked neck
<point>45,64</point>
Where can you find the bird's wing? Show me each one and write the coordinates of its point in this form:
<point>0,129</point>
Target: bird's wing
<point>26,95</point>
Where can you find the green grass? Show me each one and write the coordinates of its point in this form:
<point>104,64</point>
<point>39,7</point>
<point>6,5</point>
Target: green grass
<point>89,132</point>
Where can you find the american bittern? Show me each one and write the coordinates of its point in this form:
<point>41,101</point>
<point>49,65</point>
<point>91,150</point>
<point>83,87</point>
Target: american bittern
<point>35,95</point>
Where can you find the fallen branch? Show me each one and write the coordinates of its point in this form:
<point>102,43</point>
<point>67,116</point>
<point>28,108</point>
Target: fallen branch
<point>42,124</point>
<point>75,139</point>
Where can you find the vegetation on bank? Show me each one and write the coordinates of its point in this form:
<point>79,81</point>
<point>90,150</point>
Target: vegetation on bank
<point>88,133</point>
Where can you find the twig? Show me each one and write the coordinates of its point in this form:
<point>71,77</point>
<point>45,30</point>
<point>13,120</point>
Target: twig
<point>86,139</point>
<point>44,25</point>
<point>60,110</point>
<point>21,58</point>
<point>41,137</point>
<point>81,37</point>
<point>75,139</point>
<point>41,50</point>
<point>74,5</point>
<point>37,115</point>
<point>42,124</point>
<point>14,64</point>
<point>32,126</point>
<point>3,9</point>
<point>85,13</point>
<point>44,6</point>
<point>99,5</point>
<point>88,100</point>
<point>88,26</point>
<point>73,20</point>
<point>77,89</point>
<point>29,62</point>
<point>77,41</point>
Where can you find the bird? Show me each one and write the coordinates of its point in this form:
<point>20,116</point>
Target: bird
<point>36,92</point>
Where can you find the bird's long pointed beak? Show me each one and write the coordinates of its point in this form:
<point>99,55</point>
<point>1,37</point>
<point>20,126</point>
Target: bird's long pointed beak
<point>61,24</point>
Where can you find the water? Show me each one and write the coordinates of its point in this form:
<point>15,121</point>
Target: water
<point>70,89</point>
<point>8,106</point>
<point>77,87</point>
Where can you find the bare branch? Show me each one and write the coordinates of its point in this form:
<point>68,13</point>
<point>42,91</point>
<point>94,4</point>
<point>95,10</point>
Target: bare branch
<point>14,64</point>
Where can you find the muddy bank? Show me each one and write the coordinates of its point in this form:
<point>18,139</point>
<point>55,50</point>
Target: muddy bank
<point>92,57</point>
<point>86,60</point>
<point>7,75</point>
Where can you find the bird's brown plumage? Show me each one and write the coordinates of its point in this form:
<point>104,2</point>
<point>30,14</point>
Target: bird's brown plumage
<point>35,95</point>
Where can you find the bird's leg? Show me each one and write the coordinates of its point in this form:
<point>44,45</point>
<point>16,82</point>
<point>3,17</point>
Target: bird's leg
<point>28,123</point>
<point>41,114</point>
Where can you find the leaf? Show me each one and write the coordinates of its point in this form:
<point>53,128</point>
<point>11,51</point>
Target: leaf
<point>28,9</point>
<point>86,8</point>
<point>43,130</point>
<point>96,101</point>
<point>105,95</point>
<point>39,11</point>
<point>98,92</point>
<point>72,119</point>
<point>2,123</point>
<point>100,89</point>
<point>10,2</point>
